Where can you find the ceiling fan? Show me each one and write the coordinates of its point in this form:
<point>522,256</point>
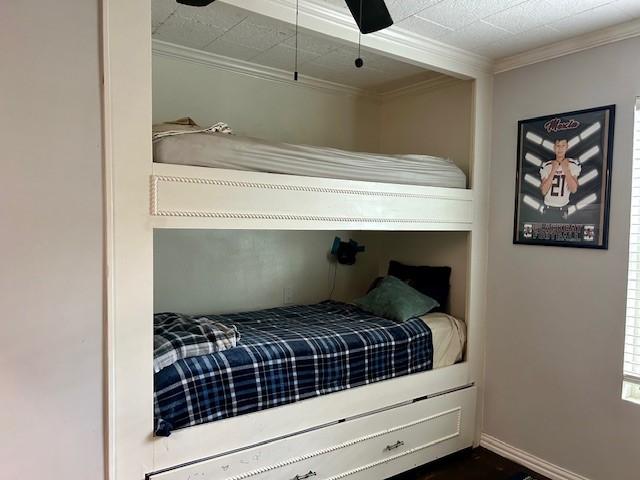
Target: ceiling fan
<point>370,19</point>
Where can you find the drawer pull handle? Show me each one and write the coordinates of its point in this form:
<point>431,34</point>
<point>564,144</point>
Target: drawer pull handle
<point>306,475</point>
<point>398,444</point>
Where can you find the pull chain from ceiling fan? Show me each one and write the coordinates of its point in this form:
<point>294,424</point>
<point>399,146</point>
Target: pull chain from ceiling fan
<point>295,73</point>
<point>359,62</point>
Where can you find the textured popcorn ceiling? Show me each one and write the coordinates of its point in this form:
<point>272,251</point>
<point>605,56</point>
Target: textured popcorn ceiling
<point>500,28</point>
<point>233,32</point>
<point>493,28</point>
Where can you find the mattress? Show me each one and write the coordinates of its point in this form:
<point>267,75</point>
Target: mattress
<point>449,336</point>
<point>287,354</point>
<point>221,150</point>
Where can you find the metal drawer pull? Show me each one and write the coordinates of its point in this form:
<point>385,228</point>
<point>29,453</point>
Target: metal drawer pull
<point>398,444</point>
<point>306,475</point>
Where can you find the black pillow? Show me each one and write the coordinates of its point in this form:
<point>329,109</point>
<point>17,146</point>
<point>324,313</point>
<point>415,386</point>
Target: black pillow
<point>431,281</point>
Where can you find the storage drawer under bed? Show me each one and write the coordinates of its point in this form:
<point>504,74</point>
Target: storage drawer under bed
<point>373,446</point>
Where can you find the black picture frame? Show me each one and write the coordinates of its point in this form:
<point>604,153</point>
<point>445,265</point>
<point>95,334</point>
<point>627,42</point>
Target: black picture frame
<point>563,179</point>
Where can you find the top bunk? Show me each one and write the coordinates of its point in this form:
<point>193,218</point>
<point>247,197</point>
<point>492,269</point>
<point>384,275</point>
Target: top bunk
<point>296,158</point>
<point>200,197</point>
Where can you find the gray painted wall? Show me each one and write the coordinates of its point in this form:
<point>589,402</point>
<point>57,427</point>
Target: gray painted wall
<point>553,360</point>
<point>258,108</point>
<point>435,122</point>
<point>556,316</point>
<point>51,374</point>
<point>214,271</point>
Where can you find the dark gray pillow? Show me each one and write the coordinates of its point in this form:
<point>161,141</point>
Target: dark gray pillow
<point>396,300</point>
<point>431,281</point>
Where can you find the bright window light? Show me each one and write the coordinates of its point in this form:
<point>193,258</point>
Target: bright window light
<point>631,387</point>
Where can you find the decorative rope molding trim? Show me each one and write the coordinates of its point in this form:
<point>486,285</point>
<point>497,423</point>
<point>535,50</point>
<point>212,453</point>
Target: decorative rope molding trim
<point>296,188</point>
<point>394,457</point>
<point>154,195</point>
<point>305,218</point>
<point>355,441</point>
<point>156,211</point>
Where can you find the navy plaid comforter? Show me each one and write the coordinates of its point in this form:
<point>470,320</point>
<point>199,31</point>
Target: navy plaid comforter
<point>288,354</point>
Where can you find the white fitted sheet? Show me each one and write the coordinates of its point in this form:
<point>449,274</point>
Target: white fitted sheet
<point>221,150</point>
<point>449,338</point>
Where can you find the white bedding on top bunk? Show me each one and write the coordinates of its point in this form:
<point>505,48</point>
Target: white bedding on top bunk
<point>449,337</point>
<point>221,150</point>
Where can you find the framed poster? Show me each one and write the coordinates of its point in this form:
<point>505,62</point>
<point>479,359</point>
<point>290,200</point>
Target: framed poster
<point>563,179</point>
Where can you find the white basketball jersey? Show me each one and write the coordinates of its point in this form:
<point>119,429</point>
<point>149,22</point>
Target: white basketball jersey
<point>558,195</point>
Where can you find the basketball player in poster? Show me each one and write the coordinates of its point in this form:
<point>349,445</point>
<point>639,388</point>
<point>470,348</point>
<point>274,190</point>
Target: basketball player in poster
<point>559,180</point>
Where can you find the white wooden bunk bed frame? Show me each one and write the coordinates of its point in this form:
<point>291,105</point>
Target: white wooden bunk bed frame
<point>368,432</point>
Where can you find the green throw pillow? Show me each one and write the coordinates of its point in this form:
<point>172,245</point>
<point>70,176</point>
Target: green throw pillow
<point>396,300</point>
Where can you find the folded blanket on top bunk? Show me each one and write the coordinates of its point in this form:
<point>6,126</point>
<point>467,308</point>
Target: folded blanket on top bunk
<point>215,147</point>
<point>177,336</point>
<point>287,354</point>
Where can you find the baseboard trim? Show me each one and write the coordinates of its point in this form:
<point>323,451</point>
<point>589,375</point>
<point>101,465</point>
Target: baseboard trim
<point>527,460</point>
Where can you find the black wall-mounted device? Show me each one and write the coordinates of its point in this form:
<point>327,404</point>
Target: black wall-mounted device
<point>345,252</point>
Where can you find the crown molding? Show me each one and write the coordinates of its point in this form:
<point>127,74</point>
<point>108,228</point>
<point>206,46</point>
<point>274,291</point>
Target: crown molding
<point>436,83</point>
<point>598,38</point>
<point>171,50</point>
<point>219,62</point>
<point>401,37</point>
<point>398,43</point>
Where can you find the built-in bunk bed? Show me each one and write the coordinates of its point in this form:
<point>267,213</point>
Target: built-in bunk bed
<point>213,369</point>
<point>327,390</point>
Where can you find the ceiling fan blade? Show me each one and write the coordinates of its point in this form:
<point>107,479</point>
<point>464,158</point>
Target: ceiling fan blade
<point>375,15</point>
<point>196,3</point>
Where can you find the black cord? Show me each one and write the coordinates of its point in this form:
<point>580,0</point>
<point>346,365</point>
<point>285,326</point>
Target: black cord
<point>360,30</point>
<point>359,62</point>
<point>295,74</point>
<point>333,286</point>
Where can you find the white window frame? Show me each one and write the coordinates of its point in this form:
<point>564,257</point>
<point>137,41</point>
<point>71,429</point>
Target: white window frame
<point>631,368</point>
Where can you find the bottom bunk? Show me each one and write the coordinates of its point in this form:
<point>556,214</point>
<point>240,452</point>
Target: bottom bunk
<point>369,383</point>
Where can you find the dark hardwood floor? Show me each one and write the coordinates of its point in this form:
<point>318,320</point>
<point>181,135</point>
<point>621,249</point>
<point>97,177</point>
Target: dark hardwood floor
<point>477,464</point>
